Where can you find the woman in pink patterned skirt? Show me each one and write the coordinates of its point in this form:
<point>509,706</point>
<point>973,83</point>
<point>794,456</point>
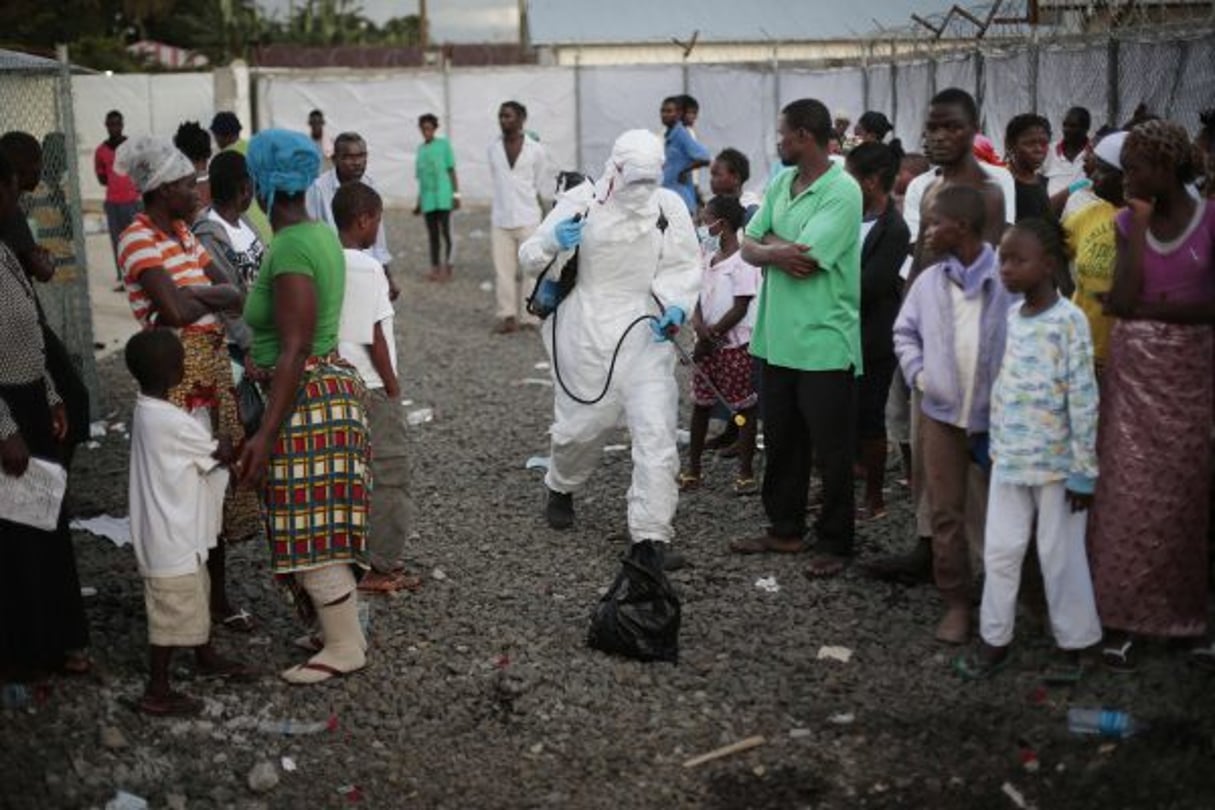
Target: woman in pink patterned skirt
<point>1148,533</point>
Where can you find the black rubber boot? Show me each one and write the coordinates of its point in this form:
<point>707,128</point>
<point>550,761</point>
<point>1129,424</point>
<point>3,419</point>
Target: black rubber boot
<point>649,554</point>
<point>559,509</point>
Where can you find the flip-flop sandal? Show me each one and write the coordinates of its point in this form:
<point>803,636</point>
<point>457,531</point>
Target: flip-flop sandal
<point>239,622</point>
<point>383,583</point>
<point>314,666</point>
<point>745,486</point>
<point>767,545</point>
<point>174,704</point>
<point>973,667</point>
<point>688,481</point>
<point>825,566</point>
<point>1119,659</point>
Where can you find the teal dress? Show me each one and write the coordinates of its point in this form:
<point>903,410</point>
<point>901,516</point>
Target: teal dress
<point>435,161</point>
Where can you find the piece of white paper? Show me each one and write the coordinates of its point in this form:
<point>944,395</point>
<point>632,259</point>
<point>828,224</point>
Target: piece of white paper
<point>841,654</point>
<point>116,530</point>
<point>34,499</point>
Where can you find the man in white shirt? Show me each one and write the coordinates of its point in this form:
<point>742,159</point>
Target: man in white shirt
<point>349,166</point>
<point>518,167</point>
<point>1065,160</point>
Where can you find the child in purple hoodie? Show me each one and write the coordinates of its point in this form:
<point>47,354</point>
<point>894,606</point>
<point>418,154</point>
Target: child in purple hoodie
<point>949,338</point>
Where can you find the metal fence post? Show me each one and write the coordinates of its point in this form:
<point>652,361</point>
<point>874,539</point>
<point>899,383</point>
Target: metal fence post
<point>980,81</point>
<point>1034,56</point>
<point>578,110</point>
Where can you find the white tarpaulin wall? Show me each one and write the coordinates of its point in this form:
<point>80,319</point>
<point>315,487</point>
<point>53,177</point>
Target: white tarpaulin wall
<point>578,112</point>
<point>154,104</point>
<point>614,99</point>
<point>476,95</point>
<point>1006,92</point>
<point>913,86</point>
<point>739,111</point>
<point>1065,75</point>
<point>384,109</point>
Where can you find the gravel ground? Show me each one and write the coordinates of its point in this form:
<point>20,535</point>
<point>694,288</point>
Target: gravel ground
<point>480,691</point>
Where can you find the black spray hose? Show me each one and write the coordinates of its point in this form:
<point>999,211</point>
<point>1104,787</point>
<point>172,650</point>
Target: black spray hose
<point>738,418</point>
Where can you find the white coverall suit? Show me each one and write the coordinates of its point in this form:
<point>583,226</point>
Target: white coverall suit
<point>624,261</point>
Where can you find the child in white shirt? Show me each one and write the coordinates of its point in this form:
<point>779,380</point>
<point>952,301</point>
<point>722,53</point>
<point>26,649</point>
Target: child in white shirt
<point>723,321</point>
<point>366,341</point>
<point>176,496</point>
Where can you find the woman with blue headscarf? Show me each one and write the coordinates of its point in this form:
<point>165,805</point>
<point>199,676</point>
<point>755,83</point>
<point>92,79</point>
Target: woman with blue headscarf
<point>310,454</point>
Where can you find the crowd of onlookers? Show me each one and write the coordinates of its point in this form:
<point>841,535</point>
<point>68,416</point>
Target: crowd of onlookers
<point>1031,331</point>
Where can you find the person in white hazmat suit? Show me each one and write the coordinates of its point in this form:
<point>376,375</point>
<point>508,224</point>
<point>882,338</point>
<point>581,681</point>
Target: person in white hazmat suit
<point>638,256</point>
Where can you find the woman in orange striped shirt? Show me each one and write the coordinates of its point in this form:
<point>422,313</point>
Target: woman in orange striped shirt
<point>171,283</point>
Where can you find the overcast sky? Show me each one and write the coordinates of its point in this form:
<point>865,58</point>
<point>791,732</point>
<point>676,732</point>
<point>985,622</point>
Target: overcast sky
<point>450,20</point>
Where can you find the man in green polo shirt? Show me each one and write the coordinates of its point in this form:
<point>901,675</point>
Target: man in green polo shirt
<point>806,236</point>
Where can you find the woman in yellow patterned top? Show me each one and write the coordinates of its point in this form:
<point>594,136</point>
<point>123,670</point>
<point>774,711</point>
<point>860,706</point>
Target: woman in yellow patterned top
<point>1091,239</point>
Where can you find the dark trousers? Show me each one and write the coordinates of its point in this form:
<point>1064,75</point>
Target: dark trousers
<point>437,221</point>
<point>810,421</point>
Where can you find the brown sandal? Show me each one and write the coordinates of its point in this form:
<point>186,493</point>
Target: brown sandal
<point>689,481</point>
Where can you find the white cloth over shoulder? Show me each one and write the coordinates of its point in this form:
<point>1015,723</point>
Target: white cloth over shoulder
<point>176,489</point>
<point>638,243</point>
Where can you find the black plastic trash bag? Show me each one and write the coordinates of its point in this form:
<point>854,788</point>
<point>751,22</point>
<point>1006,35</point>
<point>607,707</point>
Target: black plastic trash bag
<point>639,615</point>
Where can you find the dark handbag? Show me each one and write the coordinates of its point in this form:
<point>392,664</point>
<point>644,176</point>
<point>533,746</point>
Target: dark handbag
<point>249,405</point>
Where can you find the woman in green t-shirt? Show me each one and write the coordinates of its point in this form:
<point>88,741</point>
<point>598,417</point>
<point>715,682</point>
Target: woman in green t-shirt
<point>438,193</point>
<point>311,450</point>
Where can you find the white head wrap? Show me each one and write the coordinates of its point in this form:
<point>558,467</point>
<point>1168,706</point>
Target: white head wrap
<point>151,162</point>
<point>1109,149</point>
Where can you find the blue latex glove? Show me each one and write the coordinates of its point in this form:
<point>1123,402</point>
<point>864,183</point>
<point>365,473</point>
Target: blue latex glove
<point>667,325</point>
<point>568,233</point>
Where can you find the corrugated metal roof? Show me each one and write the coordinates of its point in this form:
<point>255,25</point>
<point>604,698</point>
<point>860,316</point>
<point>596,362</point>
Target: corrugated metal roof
<point>560,22</point>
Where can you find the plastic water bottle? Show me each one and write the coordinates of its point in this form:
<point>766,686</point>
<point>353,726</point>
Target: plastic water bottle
<point>14,696</point>
<point>1105,722</point>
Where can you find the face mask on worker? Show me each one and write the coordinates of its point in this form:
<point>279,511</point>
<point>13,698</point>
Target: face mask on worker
<point>710,242</point>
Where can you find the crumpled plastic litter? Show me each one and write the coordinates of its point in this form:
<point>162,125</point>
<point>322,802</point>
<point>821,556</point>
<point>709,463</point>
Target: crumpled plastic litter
<point>842,718</point>
<point>420,416</point>
<point>829,653</point>
<point>288,764</point>
<point>126,801</point>
<point>115,529</point>
<point>768,584</point>
<point>536,463</point>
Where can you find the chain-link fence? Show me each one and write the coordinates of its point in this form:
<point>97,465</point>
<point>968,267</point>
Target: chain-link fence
<point>1168,72</point>
<point>36,97</point>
